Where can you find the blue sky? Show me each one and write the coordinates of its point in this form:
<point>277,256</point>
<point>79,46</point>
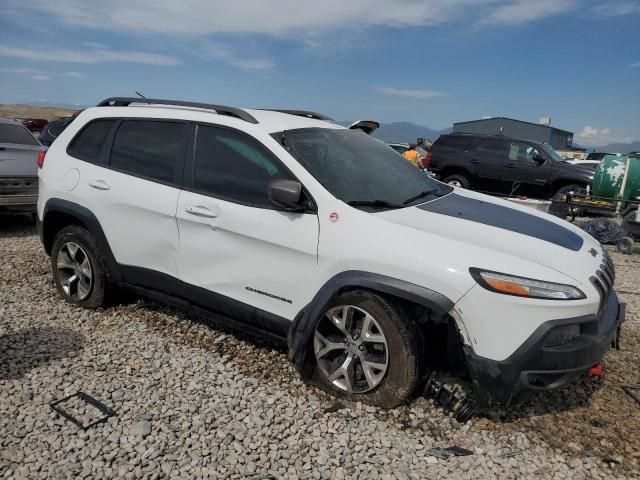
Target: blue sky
<point>431,62</point>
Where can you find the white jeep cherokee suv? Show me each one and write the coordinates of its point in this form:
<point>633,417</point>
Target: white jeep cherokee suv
<point>289,226</point>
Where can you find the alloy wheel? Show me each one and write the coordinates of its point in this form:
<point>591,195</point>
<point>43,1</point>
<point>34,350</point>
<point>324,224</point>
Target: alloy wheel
<point>74,271</point>
<point>454,183</point>
<point>351,349</point>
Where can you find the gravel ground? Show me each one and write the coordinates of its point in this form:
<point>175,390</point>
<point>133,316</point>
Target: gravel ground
<point>194,401</point>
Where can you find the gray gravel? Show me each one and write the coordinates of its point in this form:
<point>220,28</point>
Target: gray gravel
<point>193,401</point>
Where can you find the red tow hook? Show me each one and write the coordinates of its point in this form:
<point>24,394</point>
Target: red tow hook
<point>596,370</point>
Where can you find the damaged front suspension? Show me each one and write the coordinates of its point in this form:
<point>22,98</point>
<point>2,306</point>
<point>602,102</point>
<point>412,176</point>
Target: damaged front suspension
<point>454,400</point>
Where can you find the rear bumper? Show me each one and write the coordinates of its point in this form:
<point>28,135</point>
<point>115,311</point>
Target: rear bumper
<point>18,203</point>
<point>535,366</point>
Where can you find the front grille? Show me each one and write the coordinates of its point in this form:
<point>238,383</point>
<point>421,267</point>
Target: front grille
<point>604,278</point>
<point>19,186</point>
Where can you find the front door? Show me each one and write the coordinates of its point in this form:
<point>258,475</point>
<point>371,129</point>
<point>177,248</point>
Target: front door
<point>234,242</point>
<point>526,169</point>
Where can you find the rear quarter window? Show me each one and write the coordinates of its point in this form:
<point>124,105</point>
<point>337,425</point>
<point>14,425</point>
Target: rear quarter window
<point>12,133</point>
<point>88,144</point>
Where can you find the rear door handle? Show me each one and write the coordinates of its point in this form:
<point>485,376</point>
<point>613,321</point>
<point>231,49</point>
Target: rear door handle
<point>473,160</point>
<point>99,185</point>
<point>200,211</point>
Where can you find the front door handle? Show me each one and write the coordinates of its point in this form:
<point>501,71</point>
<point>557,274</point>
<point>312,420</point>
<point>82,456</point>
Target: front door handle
<point>99,185</point>
<point>200,211</point>
<point>473,160</point>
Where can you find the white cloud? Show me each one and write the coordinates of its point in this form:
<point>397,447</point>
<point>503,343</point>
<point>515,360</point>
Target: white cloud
<point>226,54</point>
<point>277,17</point>
<point>617,8</point>
<point>73,75</point>
<point>634,65</point>
<point>593,137</point>
<point>523,11</point>
<point>409,93</point>
<point>86,56</point>
<point>98,45</point>
<point>37,74</point>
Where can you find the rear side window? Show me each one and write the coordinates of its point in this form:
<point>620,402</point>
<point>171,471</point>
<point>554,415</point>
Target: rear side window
<point>149,149</point>
<point>88,144</point>
<point>491,146</point>
<point>454,142</point>
<point>12,133</point>
<point>234,167</point>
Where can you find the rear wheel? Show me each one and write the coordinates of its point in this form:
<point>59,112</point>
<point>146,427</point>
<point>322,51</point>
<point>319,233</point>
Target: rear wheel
<point>457,180</point>
<point>78,267</point>
<point>366,350</point>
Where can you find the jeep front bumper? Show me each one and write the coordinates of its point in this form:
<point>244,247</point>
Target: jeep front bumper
<point>536,365</point>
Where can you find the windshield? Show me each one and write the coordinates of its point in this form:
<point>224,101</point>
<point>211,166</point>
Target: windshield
<point>552,153</point>
<point>357,168</point>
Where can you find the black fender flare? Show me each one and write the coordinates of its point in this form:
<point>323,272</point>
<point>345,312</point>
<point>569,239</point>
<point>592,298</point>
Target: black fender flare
<point>303,325</point>
<point>89,220</point>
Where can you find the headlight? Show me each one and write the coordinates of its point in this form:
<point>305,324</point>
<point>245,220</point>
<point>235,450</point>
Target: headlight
<point>525,287</point>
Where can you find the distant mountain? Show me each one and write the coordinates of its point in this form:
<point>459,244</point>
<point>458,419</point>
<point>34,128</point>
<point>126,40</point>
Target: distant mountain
<point>620,147</point>
<point>403,132</point>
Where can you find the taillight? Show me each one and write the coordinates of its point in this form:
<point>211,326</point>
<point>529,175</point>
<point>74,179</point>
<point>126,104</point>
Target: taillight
<point>426,161</point>
<point>41,155</point>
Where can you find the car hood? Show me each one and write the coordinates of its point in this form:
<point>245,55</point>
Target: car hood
<point>574,168</point>
<point>499,225</point>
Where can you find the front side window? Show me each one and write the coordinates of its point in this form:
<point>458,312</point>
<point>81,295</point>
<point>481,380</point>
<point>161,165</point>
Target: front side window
<point>87,145</point>
<point>522,152</point>
<point>149,149</point>
<point>234,167</point>
<point>357,168</point>
<point>13,133</point>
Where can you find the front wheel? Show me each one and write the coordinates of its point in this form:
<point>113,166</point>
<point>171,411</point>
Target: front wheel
<point>365,349</point>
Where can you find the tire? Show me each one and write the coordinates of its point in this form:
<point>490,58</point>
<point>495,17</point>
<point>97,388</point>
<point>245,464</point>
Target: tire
<point>85,293</point>
<point>626,245</point>
<point>566,189</point>
<point>389,388</point>
<point>457,180</point>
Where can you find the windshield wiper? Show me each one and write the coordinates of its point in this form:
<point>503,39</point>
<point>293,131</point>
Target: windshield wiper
<point>374,203</point>
<point>423,194</point>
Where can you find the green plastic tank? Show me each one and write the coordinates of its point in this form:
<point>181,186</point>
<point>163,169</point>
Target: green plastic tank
<point>608,177</point>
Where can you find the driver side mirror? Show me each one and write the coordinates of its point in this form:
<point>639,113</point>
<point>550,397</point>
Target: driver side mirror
<point>286,194</point>
<point>539,159</point>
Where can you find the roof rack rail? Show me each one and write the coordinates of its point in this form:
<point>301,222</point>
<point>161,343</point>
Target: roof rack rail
<point>219,109</point>
<point>302,113</point>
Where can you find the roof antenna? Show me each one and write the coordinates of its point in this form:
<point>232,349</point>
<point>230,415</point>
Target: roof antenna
<point>139,94</point>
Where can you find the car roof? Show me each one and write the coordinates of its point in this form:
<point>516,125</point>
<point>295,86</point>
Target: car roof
<point>484,135</point>
<point>270,121</point>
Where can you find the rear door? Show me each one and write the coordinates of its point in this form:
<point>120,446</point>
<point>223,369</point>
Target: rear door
<point>487,159</point>
<point>453,151</point>
<point>131,179</point>
<point>249,255</point>
<point>523,171</point>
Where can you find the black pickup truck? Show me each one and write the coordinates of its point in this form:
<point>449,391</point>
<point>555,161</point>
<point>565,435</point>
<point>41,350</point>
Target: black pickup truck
<point>503,165</point>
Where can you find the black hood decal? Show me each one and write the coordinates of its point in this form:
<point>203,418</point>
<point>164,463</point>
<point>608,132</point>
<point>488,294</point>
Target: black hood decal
<point>478,211</point>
